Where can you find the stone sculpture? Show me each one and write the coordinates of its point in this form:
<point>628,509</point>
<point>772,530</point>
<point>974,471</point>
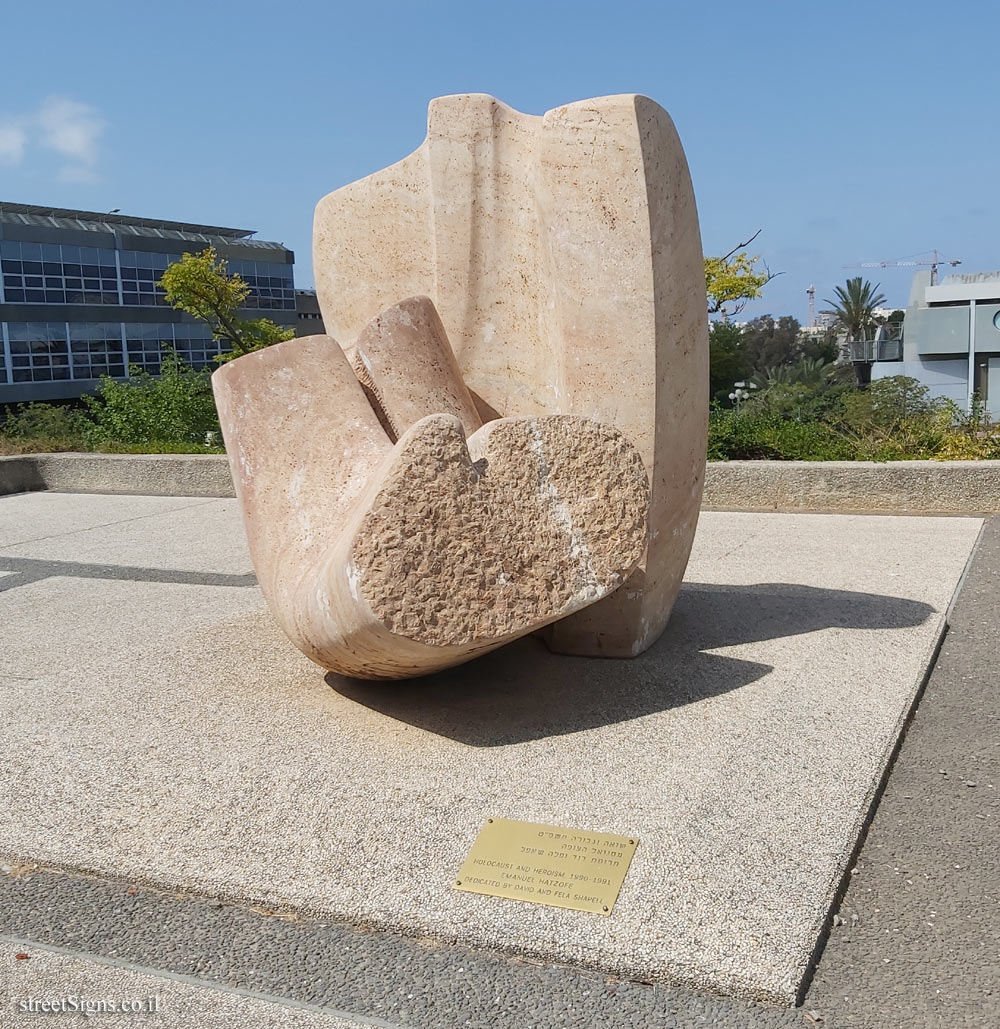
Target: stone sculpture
<point>392,533</point>
<point>563,255</point>
<point>513,424</point>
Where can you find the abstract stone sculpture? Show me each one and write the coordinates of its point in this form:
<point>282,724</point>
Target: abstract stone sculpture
<point>514,422</point>
<point>563,255</point>
<point>388,545</point>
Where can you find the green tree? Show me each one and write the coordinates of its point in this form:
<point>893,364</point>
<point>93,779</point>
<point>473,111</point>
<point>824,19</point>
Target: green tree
<point>199,285</point>
<point>821,348</point>
<point>855,306</point>
<point>770,342</point>
<point>734,278</point>
<point>726,361</point>
<point>854,310</point>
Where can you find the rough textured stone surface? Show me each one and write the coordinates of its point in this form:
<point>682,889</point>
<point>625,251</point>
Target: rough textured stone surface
<point>388,561</point>
<point>463,546</point>
<point>563,255</point>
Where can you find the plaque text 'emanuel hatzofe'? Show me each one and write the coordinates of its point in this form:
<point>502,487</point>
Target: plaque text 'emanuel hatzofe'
<point>547,864</point>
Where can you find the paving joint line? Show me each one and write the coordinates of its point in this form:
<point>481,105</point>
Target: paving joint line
<point>103,525</point>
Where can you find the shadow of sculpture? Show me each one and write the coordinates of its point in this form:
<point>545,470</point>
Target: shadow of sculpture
<point>523,692</point>
<point>725,616</point>
<point>25,570</point>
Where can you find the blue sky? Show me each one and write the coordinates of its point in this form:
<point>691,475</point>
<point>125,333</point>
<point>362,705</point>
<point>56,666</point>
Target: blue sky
<point>846,132</point>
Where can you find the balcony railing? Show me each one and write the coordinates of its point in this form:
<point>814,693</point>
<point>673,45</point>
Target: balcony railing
<point>886,344</point>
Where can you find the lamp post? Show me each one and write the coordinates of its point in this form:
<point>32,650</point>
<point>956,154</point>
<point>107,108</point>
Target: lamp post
<point>741,393</point>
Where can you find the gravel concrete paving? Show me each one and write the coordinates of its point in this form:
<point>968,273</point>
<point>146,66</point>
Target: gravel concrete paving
<point>886,964</point>
<point>77,990</point>
<point>164,731</point>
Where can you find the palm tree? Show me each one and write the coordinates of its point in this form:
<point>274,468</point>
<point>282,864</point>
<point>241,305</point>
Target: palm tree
<point>854,310</point>
<point>808,371</point>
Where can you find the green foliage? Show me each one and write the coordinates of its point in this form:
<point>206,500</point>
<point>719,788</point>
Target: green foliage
<point>726,359</point>
<point>200,285</point>
<point>887,403</point>
<point>807,371</point>
<point>769,342</point>
<point>805,401</point>
<point>823,348</point>
<point>854,307</point>
<point>255,334</point>
<point>806,415</point>
<point>44,427</point>
<point>755,433</point>
<point>734,278</point>
<point>172,412</point>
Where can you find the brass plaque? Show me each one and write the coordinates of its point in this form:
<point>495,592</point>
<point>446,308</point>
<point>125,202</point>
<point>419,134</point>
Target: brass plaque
<point>547,864</point>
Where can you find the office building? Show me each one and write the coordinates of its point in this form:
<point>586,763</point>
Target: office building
<point>308,316</point>
<point>79,296</point>
<point>950,339</point>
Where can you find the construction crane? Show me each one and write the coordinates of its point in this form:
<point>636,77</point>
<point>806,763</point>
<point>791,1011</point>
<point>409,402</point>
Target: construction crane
<point>935,260</point>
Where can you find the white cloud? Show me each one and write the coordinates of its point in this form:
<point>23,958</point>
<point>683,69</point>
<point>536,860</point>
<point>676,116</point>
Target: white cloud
<point>12,142</point>
<point>70,128</point>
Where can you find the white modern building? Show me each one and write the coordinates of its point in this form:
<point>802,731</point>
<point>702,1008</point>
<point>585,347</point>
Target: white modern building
<point>950,340</point>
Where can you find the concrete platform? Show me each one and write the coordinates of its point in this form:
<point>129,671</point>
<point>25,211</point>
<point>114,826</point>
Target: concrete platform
<point>157,727</point>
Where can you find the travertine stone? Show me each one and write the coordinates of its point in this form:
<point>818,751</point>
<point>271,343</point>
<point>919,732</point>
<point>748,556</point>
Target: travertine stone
<point>389,561</point>
<point>563,255</point>
<point>407,367</point>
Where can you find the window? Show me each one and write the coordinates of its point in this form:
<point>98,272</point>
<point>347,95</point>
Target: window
<point>271,285</point>
<point>53,273</point>
<point>195,346</point>
<point>149,344</point>
<point>96,350</point>
<point>38,351</point>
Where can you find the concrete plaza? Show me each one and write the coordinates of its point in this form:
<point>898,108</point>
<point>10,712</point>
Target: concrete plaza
<point>158,731</point>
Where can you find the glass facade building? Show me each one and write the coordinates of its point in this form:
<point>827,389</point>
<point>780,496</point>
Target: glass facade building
<point>80,296</point>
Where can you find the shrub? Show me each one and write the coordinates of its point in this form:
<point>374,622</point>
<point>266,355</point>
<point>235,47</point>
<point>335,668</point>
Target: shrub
<point>894,401</point>
<point>171,412</point>
<point>754,433</point>
<point>44,427</point>
<point>802,402</point>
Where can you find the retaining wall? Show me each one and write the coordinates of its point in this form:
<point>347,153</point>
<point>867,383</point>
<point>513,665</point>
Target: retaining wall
<point>898,486</point>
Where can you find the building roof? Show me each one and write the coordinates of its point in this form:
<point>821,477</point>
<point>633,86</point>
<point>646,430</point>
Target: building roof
<point>127,225</point>
<point>970,278</point>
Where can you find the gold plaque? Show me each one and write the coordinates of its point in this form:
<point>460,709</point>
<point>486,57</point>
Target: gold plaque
<point>547,864</point>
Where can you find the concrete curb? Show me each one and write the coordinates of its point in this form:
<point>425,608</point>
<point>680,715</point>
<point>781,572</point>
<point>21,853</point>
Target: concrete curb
<point>952,487</point>
<point>175,475</point>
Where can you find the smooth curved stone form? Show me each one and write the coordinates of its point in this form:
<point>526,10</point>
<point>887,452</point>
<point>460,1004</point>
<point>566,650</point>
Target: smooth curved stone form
<point>406,365</point>
<point>563,255</point>
<point>384,560</point>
